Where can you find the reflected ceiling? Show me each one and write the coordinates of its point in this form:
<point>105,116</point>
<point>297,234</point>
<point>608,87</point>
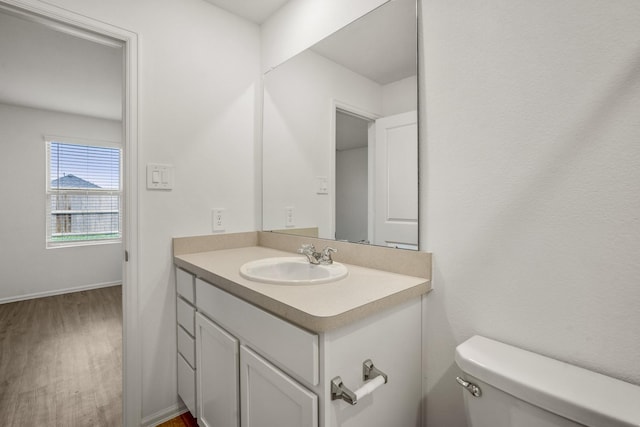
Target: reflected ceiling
<point>254,10</point>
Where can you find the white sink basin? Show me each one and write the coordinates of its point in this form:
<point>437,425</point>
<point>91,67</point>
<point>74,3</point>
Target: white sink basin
<point>292,271</point>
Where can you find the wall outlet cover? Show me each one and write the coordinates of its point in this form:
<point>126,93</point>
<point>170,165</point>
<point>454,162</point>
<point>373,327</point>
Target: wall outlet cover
<point>322,185</point>
<point>218,219</point>
<point>289,216</point>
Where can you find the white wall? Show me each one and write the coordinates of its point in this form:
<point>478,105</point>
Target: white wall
<point>199,78</point>
<point>27,267</point>
<point>531,183</point>
<point>400,96</point>
<point>300,24</point>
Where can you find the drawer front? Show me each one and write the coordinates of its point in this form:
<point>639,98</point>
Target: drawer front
<point>186,316</point>
<point>185,283</point>
<point>187,385</point>
<point>292,348</point>
<point>187,346</point>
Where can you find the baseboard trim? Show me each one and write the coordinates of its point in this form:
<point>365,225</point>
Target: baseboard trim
<point>58,292</point>
<point>164,415</point>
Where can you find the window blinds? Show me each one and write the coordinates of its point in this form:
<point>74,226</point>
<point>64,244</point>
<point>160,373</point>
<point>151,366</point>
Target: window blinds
<point>84,193</point>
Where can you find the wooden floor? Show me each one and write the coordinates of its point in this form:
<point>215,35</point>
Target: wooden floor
<point>184,420</point>
<point>61,360</point>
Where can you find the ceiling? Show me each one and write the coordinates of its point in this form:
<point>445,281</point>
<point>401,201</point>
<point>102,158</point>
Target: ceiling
<point>42,67</point>
<point>254,10</point>
<point>351,131</point>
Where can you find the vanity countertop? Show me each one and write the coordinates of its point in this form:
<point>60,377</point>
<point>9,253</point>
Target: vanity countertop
<point>319,307</point>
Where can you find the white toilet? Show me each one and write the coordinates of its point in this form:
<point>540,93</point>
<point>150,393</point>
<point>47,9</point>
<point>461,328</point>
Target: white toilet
<point>518,388</point>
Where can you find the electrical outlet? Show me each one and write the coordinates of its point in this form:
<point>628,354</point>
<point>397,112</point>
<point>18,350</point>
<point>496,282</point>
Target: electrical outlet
<point>218,219</point>
<point>289,218</point>
<point>322,185</point>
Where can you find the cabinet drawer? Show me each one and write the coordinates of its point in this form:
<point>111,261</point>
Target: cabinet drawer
<point>186,346</point>
<point>292,348</point>
<point>186,316</point>
<point>185,284</point>
<point>187,385</point>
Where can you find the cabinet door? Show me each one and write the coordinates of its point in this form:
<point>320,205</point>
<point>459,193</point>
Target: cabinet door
<point>217,375</point>
<point>271,398</point>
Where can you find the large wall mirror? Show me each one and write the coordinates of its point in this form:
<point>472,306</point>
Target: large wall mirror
<point>340,134</point>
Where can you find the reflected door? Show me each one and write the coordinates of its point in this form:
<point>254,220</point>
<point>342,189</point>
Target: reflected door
<point>396,181</point>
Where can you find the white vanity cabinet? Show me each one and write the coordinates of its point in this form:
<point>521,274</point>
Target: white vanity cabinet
<point>233,341</point>
<point>267,396</point>
<point>254,369</point>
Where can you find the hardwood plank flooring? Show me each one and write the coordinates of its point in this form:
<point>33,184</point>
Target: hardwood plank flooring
<point>61,360</point>
<point>183,420</point>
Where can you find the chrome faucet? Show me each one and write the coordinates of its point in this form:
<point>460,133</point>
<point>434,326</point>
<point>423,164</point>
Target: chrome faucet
<point>316,257</point>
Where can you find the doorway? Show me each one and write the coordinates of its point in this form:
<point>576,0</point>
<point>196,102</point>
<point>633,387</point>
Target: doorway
<point>84,29</point>
<point>352,195</point>
<point>375,177</point>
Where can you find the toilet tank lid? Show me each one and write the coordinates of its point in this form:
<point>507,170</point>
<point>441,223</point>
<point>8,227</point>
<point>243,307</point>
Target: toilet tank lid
<point>578,394</point>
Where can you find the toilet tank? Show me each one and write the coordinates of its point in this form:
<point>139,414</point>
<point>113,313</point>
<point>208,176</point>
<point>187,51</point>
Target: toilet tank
<point>524,389</point>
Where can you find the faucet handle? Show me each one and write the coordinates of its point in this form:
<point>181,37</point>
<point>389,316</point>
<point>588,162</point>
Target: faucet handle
<point>306,248</point>
<point>309,251</point>
<point>326,255</point>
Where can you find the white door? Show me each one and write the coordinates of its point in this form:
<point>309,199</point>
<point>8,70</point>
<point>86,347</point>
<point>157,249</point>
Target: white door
<point>271,398</point>
<point>217,375</point>
<point>396,181</point>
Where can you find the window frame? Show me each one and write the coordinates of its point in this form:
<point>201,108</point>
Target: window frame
<point>49,191</point>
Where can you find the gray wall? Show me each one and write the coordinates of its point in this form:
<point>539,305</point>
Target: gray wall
<point>352,189</point>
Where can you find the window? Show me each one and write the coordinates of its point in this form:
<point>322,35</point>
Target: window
<point>83,193</point>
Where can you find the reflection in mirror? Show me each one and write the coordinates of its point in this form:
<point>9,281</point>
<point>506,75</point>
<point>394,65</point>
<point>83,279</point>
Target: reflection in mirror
<point>352,176</point>
<point>340,134</point>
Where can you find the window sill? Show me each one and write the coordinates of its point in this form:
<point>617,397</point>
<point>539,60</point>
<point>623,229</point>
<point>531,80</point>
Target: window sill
<point>58,245</point>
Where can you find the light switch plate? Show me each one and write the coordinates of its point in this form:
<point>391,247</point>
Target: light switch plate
<point>159,177</point>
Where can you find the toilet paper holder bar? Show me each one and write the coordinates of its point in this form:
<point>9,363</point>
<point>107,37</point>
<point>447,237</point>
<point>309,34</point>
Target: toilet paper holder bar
<point>369,373</point>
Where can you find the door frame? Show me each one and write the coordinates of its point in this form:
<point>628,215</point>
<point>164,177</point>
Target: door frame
<point>91,29</point>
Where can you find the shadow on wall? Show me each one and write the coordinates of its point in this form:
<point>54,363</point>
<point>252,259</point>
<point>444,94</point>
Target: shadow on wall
<point>442,391</point>
<point>444,399</point>
<point>446,395</point>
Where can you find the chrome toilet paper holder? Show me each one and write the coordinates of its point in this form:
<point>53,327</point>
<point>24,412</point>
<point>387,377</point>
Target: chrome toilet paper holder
<point>369,373</point>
